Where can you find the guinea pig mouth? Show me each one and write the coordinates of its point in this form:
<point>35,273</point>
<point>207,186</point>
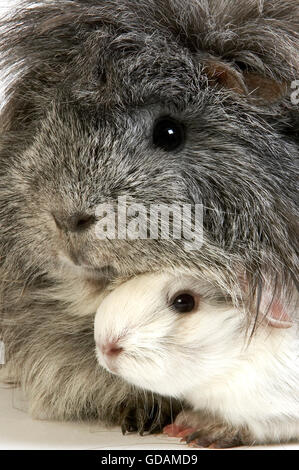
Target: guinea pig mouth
<point>112,368</point>
<point>109,364</point>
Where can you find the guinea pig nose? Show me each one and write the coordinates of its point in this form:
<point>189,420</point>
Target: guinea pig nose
<point>77,222</point>
<point>111,349</point>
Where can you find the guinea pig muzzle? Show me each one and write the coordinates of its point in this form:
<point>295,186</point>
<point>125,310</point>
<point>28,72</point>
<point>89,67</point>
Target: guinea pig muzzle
<point>109,351</point>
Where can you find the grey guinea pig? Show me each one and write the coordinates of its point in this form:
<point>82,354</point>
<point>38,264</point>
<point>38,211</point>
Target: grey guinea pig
<point>176,335</point>
<point>93,92</point>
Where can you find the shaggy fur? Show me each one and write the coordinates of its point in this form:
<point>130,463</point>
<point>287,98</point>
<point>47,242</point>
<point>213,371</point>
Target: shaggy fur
<point>85,81</point>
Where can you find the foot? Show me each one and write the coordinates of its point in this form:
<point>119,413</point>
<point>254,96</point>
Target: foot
<point>199,429</point>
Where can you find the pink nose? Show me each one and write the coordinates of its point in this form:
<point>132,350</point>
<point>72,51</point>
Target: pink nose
<point>111,349</point>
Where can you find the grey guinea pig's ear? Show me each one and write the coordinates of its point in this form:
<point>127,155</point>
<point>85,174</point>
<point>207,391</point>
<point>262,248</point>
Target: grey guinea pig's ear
<point>255,87</point>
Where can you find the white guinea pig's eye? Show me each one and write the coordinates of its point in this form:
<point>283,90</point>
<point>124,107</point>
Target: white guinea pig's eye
<point>184,303</point>
<point>168,134</point>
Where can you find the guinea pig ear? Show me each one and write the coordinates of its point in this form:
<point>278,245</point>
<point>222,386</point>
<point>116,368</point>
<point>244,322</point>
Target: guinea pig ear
<point>272,306</point>
<point>223,75</point>
<point>265,90</point>
<point>274,310</point>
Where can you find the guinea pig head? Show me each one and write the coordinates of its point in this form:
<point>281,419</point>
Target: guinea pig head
<point>165,333</point>
<point>143,101</point>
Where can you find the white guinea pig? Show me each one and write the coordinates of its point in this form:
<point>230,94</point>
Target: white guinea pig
<point>175,335</point>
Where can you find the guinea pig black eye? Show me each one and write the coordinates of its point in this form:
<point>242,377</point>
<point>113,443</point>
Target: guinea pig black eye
<point>183,303</point>
<point>168,134</point>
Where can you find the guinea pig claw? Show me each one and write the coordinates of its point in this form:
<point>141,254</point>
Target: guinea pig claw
<point>126,428</point>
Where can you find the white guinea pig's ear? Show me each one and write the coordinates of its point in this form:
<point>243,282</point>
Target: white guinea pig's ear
<point>275,311</point>
<point>272,305</point>
<point>265,90</point>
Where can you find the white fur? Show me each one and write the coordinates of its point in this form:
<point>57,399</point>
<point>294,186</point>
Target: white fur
<point>202,357</point>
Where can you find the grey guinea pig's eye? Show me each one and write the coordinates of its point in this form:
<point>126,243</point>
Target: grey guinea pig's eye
<point>168,134</point>
<point>183,303</point>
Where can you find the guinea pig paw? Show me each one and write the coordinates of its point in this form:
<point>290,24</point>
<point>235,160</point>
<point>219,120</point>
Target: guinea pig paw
<point>135,421</point>
<point>200,429</point>
<point>200,439</point>
<point>148,419</point>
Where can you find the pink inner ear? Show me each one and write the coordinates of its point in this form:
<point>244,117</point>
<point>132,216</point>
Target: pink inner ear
<point>224,75</point>
<point>277,315</point>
